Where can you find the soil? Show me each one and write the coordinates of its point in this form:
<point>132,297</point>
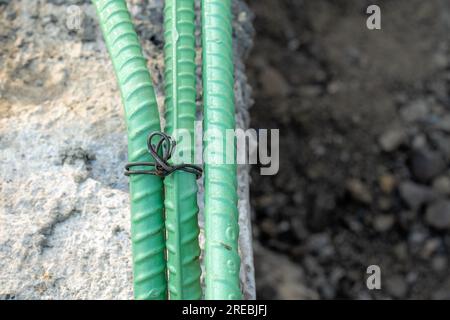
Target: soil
<point>364,148</point>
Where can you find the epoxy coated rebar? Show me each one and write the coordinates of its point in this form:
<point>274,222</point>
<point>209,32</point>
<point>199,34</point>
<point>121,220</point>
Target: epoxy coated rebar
<point>221,214</point>
<point>146,192</point>
<point>180,187</point>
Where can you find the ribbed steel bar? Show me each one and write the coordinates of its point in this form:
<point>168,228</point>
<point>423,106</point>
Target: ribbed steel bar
<point>142,117</point>
<point>180,202</point>
<point>221,214</point>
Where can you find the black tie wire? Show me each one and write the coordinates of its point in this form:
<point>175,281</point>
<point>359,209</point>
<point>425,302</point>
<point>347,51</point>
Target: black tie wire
<point>162,151</point>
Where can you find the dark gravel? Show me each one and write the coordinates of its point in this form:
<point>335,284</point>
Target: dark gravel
<point>364,148</point>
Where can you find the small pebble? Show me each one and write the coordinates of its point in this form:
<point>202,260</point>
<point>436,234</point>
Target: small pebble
<point>438,215</point>
<point>392,139</point>
<point>426,164</point>
<point>396,286</point>
<point>383,222</point>
<point>417,110</point>
<point>387,183</point>
<point>359,191</point>
<point>442,185</point>
<point>415,195</point>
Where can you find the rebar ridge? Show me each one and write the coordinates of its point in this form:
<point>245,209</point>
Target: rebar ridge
<point>180,187</point>
<point>221,214</point>
<point>147,223</point>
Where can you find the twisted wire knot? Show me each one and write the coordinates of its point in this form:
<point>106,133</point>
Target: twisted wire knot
<point>162,151</point>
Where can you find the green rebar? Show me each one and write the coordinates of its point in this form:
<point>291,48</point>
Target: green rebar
<point>142,117</point>
<point>221,214</point>
<point>183,250</point>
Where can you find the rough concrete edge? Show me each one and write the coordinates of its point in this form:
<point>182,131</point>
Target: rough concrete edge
<point>242,19</point>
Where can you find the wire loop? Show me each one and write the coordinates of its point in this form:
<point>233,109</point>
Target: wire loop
<point>161,152</point>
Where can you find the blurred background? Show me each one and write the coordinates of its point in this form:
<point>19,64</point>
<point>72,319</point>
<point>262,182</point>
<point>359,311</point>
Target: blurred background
<point>364,119</point>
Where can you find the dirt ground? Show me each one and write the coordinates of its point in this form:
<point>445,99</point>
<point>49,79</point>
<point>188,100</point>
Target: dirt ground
<point>364,148</point>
